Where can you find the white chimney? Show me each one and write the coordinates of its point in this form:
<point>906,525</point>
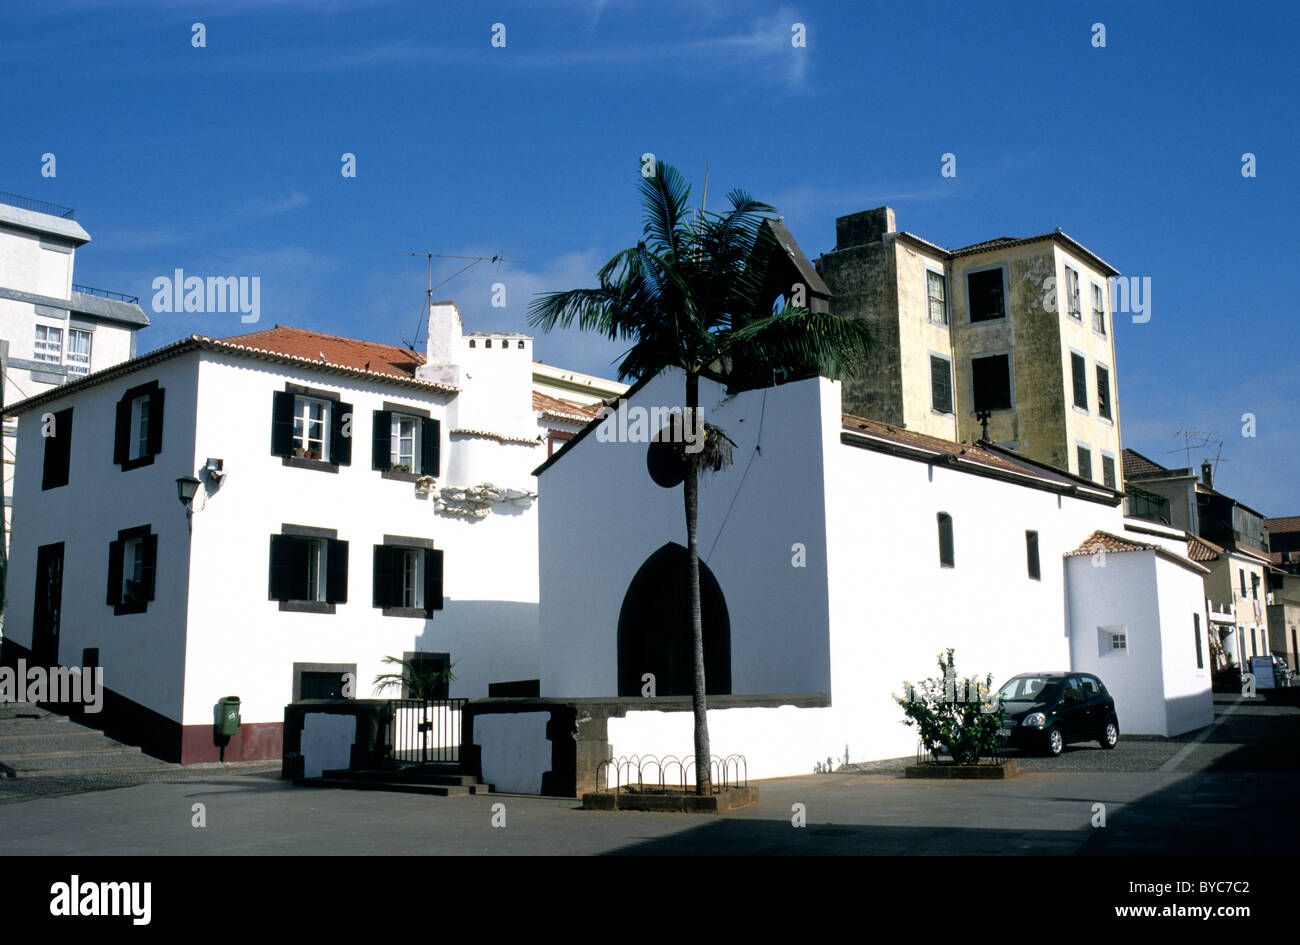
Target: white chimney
<point>443,352</point>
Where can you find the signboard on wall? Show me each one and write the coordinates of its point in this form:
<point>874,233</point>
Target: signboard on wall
<point>1262,668</point>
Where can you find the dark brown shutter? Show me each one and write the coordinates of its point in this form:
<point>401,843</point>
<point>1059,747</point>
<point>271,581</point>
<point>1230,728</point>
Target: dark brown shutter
<point>281,424</point>
<point>115,549</point>
<point>122,432</point>
<point>58,452</point>
<point>383,575</point>
<point>148,565</point>
<point>1078,368</point>
<point>336,566</point>
<point>430,447</point>
<point>432,580</point>
<point>945,540</point>
<point>281,565</point>
<point>381,441</point>
<point>340,445</point>
<point>153,436</point>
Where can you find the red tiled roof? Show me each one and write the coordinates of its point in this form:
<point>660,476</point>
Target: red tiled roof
<point>1135,464</point>
<point>1198,549</point>
<point>555,409</point>
<point>333,349</point>
<point>1102,541</point>
<point>1290,523</point>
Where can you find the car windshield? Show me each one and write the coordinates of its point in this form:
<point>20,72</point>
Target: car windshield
<point>1030,689</point>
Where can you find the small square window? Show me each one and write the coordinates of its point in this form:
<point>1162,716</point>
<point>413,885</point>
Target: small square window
<point>985,295</point>
<point>1118,640</point>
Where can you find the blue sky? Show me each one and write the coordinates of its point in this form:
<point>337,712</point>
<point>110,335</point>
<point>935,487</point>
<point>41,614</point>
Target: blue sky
<point>226,160</point>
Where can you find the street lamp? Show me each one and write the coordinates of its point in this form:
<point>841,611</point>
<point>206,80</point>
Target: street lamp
<point>186,487</point>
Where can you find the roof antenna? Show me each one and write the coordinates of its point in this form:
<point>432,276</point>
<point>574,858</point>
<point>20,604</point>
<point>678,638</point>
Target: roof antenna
<point>428,296</point>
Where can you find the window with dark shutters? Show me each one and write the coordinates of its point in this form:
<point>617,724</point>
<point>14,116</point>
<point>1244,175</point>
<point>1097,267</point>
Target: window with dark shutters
<point>132,596</point>
<point>1103,392</point>
<point>940,384</point>
<point>991,382</point>
<point>1079,370</point>
<point>945,540</point>
<point>128,436</point>
<point>58,451</point>
<point>384,578</point>
<point>336,565</point>
<point>381,440</point>
<point>432,580</point>
<point>430,447</point>
<point>341,434</point>
<point>281,423</point>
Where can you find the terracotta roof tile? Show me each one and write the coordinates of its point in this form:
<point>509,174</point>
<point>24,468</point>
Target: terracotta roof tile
<point>1105,541</point>
<point>1135,464</point>
<point>1198,549</point>
<point>555,409</point>
<point>1290,523</point>
<point>333,349</point>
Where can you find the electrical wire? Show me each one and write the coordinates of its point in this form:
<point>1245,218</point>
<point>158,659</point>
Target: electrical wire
<point>758,449</point>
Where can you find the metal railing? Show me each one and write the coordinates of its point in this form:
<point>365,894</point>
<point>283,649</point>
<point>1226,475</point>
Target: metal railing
<point>106,294</point>
<point>616,774</point>
<point>39,206</point>
<point>424,731</point>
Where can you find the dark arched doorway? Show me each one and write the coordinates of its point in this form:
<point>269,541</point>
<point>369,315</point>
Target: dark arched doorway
<point>654,630</point>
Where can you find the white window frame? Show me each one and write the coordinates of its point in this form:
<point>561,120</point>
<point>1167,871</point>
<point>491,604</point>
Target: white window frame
<point>139,442</point>
<point>78,365</point>
<point>943,281</point>
<point>48,349</point>
<point>412,580</point>
<point>1098,314</point>
<point>1073,304</point>
<point>394,442</point>
<point>1109,636</point>
<point>301,441</point>
<point>132,567</point>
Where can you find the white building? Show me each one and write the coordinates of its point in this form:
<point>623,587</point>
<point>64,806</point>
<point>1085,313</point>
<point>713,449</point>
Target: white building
<point>51,329</point>
<point>841,555</point>
<point>357,501</point>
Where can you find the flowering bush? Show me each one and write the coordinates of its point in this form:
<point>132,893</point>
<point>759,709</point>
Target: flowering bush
<point>957,716</point>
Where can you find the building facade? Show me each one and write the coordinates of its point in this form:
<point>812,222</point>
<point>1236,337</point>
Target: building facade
<point>1020,329</point>
<point>52,329</point>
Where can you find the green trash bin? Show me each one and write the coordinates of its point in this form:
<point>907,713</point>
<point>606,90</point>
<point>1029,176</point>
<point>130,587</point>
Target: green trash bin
<point>228,715</point>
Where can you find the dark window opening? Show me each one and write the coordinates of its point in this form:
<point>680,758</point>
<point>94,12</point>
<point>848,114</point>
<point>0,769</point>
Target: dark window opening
<point>941,384</point>
<point>991,382</point>
<point>308,569</point>
<point>132,567</point>
<point>1079,372</point>
<point>1103,392</point>
<point>1196,626</point>
<point>407,581</point>
<point>58,450</point>
<point>1031,553</point>
<point>945,541</point>
<point>137,433</point>
<point>985,294</point>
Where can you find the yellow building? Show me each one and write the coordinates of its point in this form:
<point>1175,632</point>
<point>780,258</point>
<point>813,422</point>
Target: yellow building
<point>1020,328</point>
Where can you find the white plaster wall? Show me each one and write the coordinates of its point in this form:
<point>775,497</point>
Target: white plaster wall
<point>1122,593</point>
<point>1189,702</point>
<point>894,608</point>
<point>242,644</point>
<point>515,750</point>
<point>142,654</point>
<point>602,517</point>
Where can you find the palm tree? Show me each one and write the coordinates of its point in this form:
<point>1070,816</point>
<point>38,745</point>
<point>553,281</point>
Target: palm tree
<point>695,294</point>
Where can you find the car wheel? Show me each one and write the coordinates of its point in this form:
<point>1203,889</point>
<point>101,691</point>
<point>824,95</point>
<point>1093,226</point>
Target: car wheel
<point>1110,737</point>
<point>1055,741</point>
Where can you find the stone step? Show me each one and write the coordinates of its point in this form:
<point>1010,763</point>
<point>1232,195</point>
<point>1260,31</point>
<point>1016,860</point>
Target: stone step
<point>408,787</point>
<point>14,710</point>
<point>404,777</point>
<point>83,762</point>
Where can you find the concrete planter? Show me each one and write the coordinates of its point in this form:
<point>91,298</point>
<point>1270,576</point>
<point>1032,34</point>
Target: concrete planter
<point>672,801</point>
<point>947,771</point>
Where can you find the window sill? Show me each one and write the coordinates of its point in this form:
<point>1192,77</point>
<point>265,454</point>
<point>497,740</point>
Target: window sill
<point>400,476</point>
<point>306,607</point>
<point>1083,410</point>
<point>934,412</point>
<point>943,325</point>
<point>405,612</point>
<point>1106,420</point>
<point>317,464</point>
<point>986,321</point>
<point>130,607</point>
<point>136,463</point>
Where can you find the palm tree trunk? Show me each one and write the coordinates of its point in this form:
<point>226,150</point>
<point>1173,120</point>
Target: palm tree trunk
<point>691,488</point>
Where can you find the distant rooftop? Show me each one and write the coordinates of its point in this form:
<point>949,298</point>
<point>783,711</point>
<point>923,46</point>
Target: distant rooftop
<point>38,206</point>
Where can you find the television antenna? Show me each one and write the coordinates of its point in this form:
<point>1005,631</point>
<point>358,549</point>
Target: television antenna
<point>1199,440</point>
<point>499,258</point>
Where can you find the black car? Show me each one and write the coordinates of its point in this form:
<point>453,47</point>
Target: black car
<point>1047,711</point>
